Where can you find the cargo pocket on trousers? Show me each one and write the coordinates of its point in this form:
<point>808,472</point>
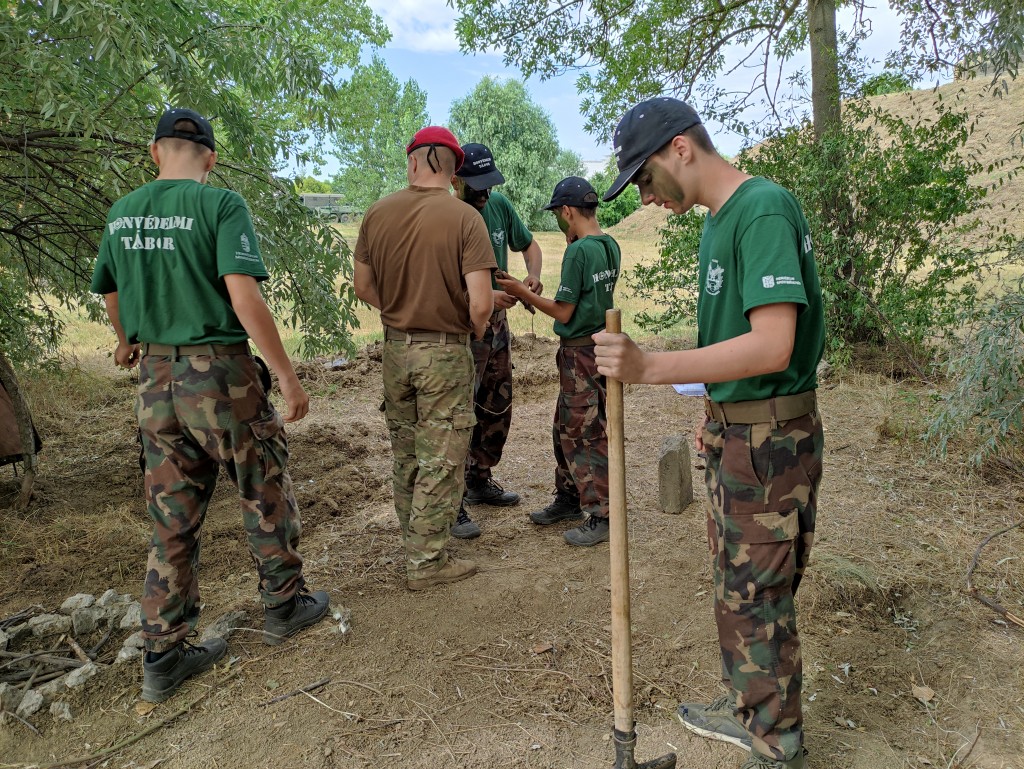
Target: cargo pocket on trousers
<point>760,549</point>
<point>577,412</point>
<point>270,443</point>
<point>459,437</point>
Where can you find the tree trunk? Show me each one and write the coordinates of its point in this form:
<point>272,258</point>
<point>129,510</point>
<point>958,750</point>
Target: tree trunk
<point>821,21</point>
<point>24,419</point>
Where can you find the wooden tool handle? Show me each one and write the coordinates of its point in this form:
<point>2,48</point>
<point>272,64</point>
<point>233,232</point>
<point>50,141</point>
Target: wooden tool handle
<point>618,542</point>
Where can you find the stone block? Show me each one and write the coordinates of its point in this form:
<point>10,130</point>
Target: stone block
<point>85,620</point>
<point>79,601</point>
<point>10,697</point>
<point>61,711</point>
<point>80,675</point>
<point>135,641</point>
<point>5,641</point>
<point>49,624</point>
<point>225,625</point>
<point>675,478</point>
<point>127,654</point>
<point>16,632</point>
<point>109,598</point>
<point>51,690</point>
<point>132,618</point>
<point>30,703</point>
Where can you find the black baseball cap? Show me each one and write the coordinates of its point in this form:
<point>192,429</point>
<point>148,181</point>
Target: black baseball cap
<point>573,191</point>
<point>202,135</point>
<point>644,130</point>
<point>479,171</point>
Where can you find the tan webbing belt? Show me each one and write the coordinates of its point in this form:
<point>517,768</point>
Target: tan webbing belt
<point>773,410</point>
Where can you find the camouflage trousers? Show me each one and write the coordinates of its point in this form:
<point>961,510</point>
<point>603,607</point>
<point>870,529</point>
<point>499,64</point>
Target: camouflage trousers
<point>580,431</point>
<point>198,414</point>
<point>492,399</point>
<point>762,502</point>
<point>428,402</point>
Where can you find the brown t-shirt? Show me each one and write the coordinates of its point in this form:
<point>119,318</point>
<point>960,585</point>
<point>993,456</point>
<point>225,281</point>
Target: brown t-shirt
<point>420,242</point>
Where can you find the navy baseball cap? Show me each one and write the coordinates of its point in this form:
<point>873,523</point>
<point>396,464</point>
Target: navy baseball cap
<point>202,135</point>
<point>644,130</point>
<point>479,171</point>
<point>573,191</point>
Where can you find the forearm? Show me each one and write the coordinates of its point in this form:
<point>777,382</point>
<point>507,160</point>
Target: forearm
<point>365,285</point>
<point>560,311</point>
<point>114,313</point>
<point>737,358</point>
<point>534,259</point>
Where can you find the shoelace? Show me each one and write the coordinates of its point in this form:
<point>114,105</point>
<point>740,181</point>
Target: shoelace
<point>720,703</point>
<point>463,517</point>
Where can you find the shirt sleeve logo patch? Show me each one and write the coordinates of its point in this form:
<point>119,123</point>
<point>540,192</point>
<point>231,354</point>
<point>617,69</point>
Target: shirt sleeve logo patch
<point>768,281</point>
<point>245,243</point>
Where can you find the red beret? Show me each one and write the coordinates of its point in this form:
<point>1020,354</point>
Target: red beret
<point>437,135</point>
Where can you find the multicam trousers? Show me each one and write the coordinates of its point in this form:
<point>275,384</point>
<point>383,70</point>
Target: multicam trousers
<point>762,502</point>
<point>198,414</point>
<point>428,401</point>
<point>580,431</point>
<point>492,398</point>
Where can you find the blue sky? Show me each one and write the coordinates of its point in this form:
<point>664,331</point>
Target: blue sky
<point>424,48</point>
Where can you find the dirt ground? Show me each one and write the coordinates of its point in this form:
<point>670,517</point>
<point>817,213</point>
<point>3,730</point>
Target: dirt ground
<point>512,668</point>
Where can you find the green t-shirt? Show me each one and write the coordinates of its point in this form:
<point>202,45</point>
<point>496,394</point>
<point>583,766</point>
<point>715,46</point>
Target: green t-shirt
<point>165,250</point>
<point>590,269</point>
<point>505,229</point>
<point>756,251</point>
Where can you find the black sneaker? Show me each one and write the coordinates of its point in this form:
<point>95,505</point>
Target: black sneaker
<point>487,492</point>
<point>302,611</point>
<point>562,508</point>
<point>162,677</point>
<point>590,532</point>
<point>464,528</point>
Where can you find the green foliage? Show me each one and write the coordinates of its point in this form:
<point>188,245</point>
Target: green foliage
<point>987,372</point>
<point>370,143</point>
<point>886,82</point>
<point>522,137</point>
<point>610,214</point>
<point>311,184</point>
<point>898,264</point>
<point>81,86</point>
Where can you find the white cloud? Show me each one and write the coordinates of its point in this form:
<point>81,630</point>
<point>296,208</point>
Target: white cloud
<point>419,25</point>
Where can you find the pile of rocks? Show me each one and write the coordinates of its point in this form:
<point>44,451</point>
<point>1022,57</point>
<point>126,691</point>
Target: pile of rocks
<point>42,660</point>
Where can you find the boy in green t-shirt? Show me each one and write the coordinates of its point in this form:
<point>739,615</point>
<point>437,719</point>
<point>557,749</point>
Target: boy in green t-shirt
<point>179,267</point>
<point>590,269</point>
<point>760,336</point>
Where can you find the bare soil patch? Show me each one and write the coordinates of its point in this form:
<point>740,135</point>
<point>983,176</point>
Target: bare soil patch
<point>512,668</point>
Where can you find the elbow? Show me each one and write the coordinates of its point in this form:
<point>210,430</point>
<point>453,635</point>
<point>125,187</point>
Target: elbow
<point>778,361</point>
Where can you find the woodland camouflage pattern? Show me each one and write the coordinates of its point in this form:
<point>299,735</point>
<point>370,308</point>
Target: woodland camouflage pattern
<point>580,431</point>
<point>428,402</point>
<point>492,398</point>
<point>762,502</point>
<point>198,414</point>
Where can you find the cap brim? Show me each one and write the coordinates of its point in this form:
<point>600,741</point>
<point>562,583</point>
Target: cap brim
<point>484,181</point>
<point>622,180</point>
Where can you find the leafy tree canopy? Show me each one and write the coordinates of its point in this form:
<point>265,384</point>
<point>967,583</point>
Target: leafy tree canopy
<point>311,184</point>
<point>627,50</point>
<point>370,143</point>
<point>81,86</point>
<point>522,137</point>
<point>613,212</point>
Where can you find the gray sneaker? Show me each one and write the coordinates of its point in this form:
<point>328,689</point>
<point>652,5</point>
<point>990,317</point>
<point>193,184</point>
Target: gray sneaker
<point>302,611</point>
<point>716,721</point>
<point>760,762</point>
<point>464,528</point>
<point>591,532</point>
<point>161,678</point>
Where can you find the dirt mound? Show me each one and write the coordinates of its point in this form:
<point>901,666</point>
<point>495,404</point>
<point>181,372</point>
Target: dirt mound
<point>645,222</point>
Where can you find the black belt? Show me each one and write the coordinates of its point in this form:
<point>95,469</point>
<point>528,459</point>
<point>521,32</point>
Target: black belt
<point>777,409</point>
<point>177,350</point>
<point>578,341</point>
<point>437,337</point>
